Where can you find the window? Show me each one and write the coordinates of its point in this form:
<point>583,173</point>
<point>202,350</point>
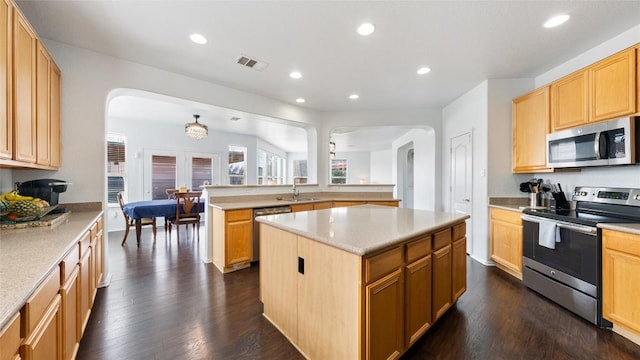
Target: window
<point>116,169</point>
<point>300,171</point>
<point>201,172</point>
<point>270,168</point>
<point>338,171</point>
<point>163,175</point>
<point>237,162</point>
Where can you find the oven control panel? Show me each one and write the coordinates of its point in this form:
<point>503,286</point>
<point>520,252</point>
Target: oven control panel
<point>621,196</point>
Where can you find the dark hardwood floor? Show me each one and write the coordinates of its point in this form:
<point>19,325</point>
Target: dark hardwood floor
<point>164,303</point>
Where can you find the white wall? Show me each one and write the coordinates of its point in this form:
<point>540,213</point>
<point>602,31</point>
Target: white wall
<point>381,167</point>
<point>615,176</point>
<point>426,169</point>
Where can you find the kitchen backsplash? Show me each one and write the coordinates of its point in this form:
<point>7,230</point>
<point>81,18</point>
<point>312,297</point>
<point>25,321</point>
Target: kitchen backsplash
<point>611,176</point>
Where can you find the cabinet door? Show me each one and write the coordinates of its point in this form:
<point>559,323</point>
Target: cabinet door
<point>570,101</point>
<point>417,299</point>
<point>6,114</point>
<point>459,276</point>
<point>530,128</point>
<point>239,244</point>
<point>98,259</point>
<point>279,279</point>
<point>347,203</point>
<point>43,123</point>
<point>301,207</point>
<point>45,342</point>
<point>612,86</point>
<point>70,292</point>
<point>384,321</point>
<point>621,279</point>
<point>10,339</point>
<point>24,85</point>
<point>441,297</point>
<point>55,115</point>
<point>323,205</point>
<point>506,240</point>
<point>384,203</point>
<point>85,289</point>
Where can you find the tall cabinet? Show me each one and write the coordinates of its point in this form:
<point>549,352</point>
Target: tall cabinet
<point>6,120</point>
<point>530,128</point>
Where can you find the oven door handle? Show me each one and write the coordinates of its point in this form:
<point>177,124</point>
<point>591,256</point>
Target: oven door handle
<point>588,230</point>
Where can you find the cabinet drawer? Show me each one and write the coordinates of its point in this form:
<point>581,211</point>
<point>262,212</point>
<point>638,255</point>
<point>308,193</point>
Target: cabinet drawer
<point>238,215</point>
<point>94,230</point>
<point>441,239</point>
<point>68,263</point>
<point>35,307</point>
<point>84,243</point>
<point>418,248</point>
<point>10,339</point>
<point>459,231</point>
<point>507,216</point>
<point>382,264</point>
<point>621,241</point>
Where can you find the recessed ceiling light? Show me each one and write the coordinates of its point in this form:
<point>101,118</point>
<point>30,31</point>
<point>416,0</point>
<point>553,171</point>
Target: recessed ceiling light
<point>423,70</point>
<point>366,29</point>
<point>198,39</point>
<point>295,75</point>
<point>354,96</point>
<point>300,100</point>
<point>556,20</point>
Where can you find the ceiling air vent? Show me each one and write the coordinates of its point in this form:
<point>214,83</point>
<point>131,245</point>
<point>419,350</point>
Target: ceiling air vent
<point>255,64</point>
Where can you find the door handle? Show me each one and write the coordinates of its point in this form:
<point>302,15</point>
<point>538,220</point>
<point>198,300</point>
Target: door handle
<point>466,200</point>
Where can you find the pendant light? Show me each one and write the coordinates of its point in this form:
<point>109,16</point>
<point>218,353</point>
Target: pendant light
<point>195,129</point>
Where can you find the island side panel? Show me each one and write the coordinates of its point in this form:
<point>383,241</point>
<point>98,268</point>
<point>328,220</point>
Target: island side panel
<point>278,279</point>
<point>329,302</point>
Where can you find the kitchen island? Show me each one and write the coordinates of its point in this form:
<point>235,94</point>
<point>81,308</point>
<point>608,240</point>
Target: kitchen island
<point>360,282</point>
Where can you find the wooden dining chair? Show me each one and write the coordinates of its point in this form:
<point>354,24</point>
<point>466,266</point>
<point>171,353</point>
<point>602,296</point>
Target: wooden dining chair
<point>187,210</point>
<point>131,222</point>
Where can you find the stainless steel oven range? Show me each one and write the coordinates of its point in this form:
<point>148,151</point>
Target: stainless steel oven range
<point>562,249</point>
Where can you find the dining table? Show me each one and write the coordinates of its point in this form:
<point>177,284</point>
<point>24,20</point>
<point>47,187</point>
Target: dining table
<point>162,208</point>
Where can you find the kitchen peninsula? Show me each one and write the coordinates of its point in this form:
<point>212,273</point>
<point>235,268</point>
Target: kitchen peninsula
<point>360,282</point>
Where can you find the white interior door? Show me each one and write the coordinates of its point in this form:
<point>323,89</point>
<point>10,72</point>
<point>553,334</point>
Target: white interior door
<point>461,180</point>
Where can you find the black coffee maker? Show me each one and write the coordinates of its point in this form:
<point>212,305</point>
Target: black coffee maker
<point>45,189</point>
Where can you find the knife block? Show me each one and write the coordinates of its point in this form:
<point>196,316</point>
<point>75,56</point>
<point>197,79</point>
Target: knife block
<point>561,201</point>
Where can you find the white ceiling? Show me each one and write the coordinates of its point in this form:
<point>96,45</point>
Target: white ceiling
<point>464,42</point>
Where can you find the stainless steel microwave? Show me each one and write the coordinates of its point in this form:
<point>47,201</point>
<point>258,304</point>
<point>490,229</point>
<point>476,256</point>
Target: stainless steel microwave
<point>607,143</point>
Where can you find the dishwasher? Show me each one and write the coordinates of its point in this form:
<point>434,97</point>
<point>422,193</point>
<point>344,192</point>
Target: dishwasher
<point>256,226</point>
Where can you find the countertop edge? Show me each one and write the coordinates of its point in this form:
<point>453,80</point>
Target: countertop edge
<point>627,228</point>
<point>272,203</point>
<point>515,208</point>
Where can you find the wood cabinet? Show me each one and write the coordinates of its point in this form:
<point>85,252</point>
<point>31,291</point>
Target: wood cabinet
<point>302,207</point>
<point>70,295</point>
<point>41,321</point>
<point>47,109</point>
<point>459,262</point>
<point>530,128</point>
<point>323,205</point>
<point>6,89</point>
<point>506,240</point>
<point>10,339</point>
<point>637,81</point>
<point>385,317</point>
<point>621,280</point>
<point>24,90</point>
<point>333,304</point>
<point>30,93</point>
<point>347,203</point>
<point>86,282</point>
<point>570,101</point>
<point>612,86</point>
<point>392,203</point>
<point>232,239</point>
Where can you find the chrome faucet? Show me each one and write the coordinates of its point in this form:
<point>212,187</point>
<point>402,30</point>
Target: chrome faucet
<point>294,189</point>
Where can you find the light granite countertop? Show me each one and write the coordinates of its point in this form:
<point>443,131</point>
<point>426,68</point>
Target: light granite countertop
<point>628,228</point>
<point>362,229</point>
<point>28,255</point>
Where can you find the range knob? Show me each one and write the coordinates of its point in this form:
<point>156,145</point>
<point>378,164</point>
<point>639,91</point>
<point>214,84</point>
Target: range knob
<point>637,197</point>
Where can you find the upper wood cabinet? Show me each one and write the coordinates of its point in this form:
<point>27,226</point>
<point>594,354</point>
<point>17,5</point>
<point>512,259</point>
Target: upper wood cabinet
<point>24,86</point>
<point>612,86</point>
<point>530,128</point>
<point>570,101</point>
<point>6,114</point>
<point>30,93</point>
<point>637,80</point>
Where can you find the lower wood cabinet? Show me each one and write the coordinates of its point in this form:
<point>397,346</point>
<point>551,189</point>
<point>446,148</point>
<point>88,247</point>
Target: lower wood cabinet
<point>232,239</point>
<point>506,240</point>
<point>333,304</point>
<point>45,341</point>
<point>621,280</point>
<point>10,339</point>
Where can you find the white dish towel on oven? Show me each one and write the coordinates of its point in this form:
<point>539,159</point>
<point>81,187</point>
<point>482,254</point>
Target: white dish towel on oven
<point>548,233</point>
